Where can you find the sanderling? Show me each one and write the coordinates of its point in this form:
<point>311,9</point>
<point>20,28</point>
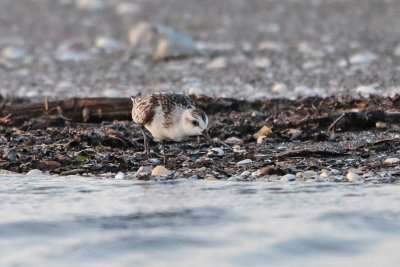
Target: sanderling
<point>168,116</point>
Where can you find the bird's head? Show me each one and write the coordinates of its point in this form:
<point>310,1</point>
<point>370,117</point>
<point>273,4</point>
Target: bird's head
<point>195,122</point>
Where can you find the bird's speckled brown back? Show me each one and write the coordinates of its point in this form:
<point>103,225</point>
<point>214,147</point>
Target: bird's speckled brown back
<point>144,107</point>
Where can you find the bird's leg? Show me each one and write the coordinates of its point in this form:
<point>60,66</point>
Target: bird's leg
<point>146,142</point>
<point>164,153</point>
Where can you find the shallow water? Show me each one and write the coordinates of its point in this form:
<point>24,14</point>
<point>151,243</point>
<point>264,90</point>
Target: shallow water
<point>50,220</point>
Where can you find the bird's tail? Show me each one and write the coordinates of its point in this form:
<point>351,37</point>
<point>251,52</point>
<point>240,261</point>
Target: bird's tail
<point>136,98</point>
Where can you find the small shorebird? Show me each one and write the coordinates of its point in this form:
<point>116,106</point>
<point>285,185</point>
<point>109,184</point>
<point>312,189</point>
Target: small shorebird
<point>168,116</point>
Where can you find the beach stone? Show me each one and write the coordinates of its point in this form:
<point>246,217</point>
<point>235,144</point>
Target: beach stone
<point>324,174</point>
<point>362,58</point>
<point>244,162</point>
<point>119,176</point>
<point>13,53</point>
<point>353,177</point>
<point>381,125</point>
<point>305,91</point>
<point>233,140</point>
<point>235,178</point>
<point>270,45</point>
<point>90,4</point>
<point>288,177</point>
<point>109,45</point>
<point>215,152</point>
<point>126,8</point>
<point>309,174</point>
<point>392,160</point>
<point>144,171</point>
<point>279,88</point>
<point>261,62</point>
<point>217,63</point>
<point>366,91</point>
<point>34,172</point>
<point>160,171</point>
<point>396,51</point>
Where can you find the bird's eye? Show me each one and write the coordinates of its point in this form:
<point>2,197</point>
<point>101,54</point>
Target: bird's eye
<point>195,123</point>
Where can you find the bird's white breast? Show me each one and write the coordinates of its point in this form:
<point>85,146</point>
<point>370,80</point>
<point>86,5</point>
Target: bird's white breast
<point>160,132</point>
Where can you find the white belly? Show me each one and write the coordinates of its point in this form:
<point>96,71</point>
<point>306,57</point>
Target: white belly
<point>159,132</point>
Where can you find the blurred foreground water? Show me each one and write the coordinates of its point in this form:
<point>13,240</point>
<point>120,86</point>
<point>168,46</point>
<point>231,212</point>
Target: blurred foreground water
<point>53,220</point>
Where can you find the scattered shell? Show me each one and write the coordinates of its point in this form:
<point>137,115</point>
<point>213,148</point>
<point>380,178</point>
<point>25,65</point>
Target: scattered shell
<point>13,53</point>
<point>109,45</point>
<point>261,62</point>
<point>90,4</point>
<point>288,177</point>
<point>215,151</point>
<point>244,162</point>
<point>160,171</point>
<point>217,63</point>
<point>362,58</point>
<point>120,176</point>
<point>392,160</point>
<point>233,140</point>
<point>264,131</point>
<point>34,172</point>
<point>366,91</point>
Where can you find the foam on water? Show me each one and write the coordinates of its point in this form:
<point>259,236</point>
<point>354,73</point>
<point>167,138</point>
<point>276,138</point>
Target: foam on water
<point>50,220</point>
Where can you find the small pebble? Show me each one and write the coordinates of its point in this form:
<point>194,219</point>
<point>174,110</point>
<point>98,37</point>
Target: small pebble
<point>154,161</point>
<point>108,44</point>
<point>396,51</point>
<point>245,174</point>
<point>34,172</point>
<point>381,125</point>
<point>280,88</point>
<point>217,63</point>
<point>244,162</point>
<point>126,8</point>
<point>235,178</point>
<point>89,4</point>
<point>120,176</point>
<point>309,174</point>
<point>362,58</point>
<point>160,171</point>
<point>144,171</point>
<point>13,53</point>
<point>233,140</point>
<point>261,62</point>
<point>353,177</point>
<point>392,160</point>
<point>288,177</point>
<point>216,152</point>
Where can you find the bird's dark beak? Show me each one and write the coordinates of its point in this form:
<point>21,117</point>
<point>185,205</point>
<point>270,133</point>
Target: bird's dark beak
<point>205,134</point>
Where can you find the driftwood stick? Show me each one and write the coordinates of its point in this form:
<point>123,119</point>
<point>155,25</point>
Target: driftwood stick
<point>76,109</point>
